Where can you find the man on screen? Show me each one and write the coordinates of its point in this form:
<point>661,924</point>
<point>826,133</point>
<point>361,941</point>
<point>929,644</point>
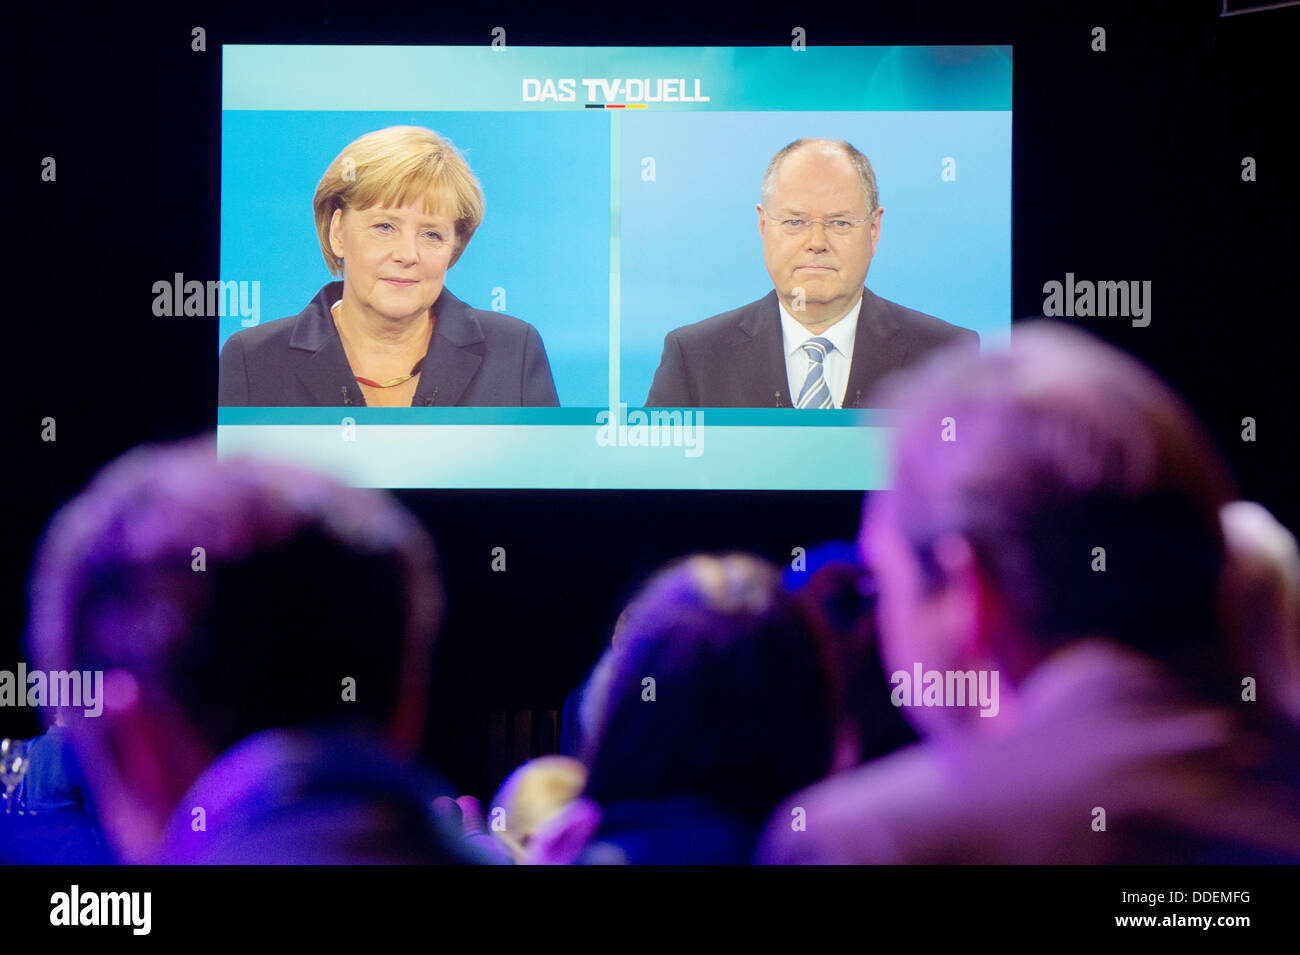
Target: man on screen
<point>820,339</point>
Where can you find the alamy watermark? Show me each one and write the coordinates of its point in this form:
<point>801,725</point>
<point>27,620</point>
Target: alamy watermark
<point>652,429</point>
<point>946,688</point>
<point>69,688</point>
<point>178,297</point>
<point>1085,299</point>
<point>75,907</point>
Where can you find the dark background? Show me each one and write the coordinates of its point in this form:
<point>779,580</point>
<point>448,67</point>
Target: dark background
<point>1127,166</point>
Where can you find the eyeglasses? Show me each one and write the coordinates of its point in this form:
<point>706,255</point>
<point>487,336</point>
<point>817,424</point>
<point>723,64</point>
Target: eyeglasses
<point>836,226</point>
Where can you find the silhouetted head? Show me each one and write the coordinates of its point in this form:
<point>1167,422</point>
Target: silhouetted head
<point>718,687</point>
<point>1048,491</point>
<point>221,598</point>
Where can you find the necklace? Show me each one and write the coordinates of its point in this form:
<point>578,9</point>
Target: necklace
<point>392,382</point>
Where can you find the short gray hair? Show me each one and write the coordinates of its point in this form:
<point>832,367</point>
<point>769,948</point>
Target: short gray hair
<point>860,163</point>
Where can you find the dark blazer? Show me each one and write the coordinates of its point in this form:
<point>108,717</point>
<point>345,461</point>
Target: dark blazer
<point>476,358</point>
<point>313,796</point>
<point>674,830</point>
<point>737,359</point>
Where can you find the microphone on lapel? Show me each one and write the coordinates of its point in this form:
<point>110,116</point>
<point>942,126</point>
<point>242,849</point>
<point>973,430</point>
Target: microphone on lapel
<point>857,399</point>
<point>778,398</point>
<point>347,398</point>
<point>428,402</point>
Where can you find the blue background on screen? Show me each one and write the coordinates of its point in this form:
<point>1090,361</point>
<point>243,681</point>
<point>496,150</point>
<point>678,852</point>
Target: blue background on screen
<point>544,239</point>
<point>690,244</point>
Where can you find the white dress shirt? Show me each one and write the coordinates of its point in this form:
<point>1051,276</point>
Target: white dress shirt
<point>836,364</point>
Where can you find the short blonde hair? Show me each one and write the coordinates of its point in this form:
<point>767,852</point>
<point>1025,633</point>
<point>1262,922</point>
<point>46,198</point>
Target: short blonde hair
<point>394,167</point>
<point>534,793</point>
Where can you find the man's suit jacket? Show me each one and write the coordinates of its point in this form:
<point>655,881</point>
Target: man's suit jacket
<point>476,358</point>
<point>313,796</point>
<point>737,359</point>
<point>1181,782</point>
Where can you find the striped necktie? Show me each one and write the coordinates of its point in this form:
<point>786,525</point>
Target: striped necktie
<point>815,393</point>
